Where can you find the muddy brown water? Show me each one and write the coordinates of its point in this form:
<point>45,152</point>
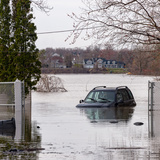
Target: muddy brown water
<point>68,133</point>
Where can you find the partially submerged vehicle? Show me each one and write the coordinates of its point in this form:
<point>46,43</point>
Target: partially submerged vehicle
<point>102,96</point>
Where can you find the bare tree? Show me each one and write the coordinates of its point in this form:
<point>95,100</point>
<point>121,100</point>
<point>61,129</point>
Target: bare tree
<point>140,62</point>
<point>146,61</point>
<point>50,84</point>
<point>42,5</point>
<point>119,21</point>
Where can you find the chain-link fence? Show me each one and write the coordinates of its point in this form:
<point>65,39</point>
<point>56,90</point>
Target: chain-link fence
<point>154,108</point>
<point>154,95</point>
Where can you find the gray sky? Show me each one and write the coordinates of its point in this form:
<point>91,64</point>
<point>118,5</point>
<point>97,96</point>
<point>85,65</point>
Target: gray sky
<point>57,20</point>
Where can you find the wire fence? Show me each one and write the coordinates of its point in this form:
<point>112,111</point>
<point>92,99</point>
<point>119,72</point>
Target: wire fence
<point>154,95</point>
<point>153,108</point>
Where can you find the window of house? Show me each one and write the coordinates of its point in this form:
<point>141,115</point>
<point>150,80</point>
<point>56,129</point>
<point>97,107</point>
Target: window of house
<point>99,61</point>
<point>114,62</point>
<point>89,62</point>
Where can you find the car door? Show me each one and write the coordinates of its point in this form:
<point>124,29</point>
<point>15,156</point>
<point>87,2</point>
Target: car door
<point>124,98</point>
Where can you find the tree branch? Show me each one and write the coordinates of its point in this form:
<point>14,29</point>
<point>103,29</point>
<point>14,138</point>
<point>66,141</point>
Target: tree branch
<point>42,5</point>
<point>120,21</point>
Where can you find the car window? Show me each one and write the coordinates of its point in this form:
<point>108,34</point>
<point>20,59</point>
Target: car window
<point>90,97</point>
<point>100,96</point>
<point>122,93</point>
<point>119,97</point>
<point>130,94</point>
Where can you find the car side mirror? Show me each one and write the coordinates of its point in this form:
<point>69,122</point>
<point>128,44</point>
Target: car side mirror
<point>81,101</point>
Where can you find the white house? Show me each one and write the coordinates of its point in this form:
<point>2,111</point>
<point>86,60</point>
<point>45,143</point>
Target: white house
<point>88,63</point>
<point>102,63</point>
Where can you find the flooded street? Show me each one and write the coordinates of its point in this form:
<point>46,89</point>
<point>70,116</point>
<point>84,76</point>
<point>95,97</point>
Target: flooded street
<point>69,133</point>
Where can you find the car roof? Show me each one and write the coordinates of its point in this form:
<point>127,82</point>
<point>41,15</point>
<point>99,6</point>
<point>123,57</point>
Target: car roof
<point>100,88</point>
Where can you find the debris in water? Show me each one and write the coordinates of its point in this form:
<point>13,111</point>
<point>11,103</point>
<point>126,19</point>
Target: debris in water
<point>114,121</point>
<point>138,123</point>
<point>50,84</point>
<point>93,121</point>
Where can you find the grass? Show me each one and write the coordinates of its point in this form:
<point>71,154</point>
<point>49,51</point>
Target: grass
<point>117,70</point>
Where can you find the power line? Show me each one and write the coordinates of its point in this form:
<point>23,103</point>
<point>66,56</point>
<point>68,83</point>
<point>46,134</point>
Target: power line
<point>69,30</point>
<point>55,32</point>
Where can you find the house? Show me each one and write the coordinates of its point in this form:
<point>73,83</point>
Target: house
<point>114,64</point>
<point>57,61</point>
<point>102,63</point>
<point>99,63</point>
<point>121,64</point>
<point>88,63</point>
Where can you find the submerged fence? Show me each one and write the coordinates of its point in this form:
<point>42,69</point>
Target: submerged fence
<point>154,108</point>
<point>154,95</point>
<point>13,94</point>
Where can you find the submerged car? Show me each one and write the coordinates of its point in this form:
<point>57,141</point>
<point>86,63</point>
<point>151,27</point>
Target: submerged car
<point>103,96</point>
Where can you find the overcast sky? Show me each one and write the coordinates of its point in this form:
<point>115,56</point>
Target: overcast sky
<point>57,20</point>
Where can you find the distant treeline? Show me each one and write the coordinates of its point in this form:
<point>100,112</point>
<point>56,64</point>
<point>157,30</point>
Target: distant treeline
<point>138,61</point>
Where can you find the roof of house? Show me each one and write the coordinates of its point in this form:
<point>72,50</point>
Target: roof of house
<point>94,60</point>
<point>85,60</point>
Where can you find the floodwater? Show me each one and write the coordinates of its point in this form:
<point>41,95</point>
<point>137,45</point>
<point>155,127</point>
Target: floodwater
<point>63,132</point>
<point>69,133</point>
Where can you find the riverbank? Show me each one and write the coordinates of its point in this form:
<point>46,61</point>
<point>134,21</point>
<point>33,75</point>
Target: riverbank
<point>83,70</point>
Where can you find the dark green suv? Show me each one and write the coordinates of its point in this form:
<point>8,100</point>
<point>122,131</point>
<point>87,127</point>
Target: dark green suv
<point>102,96</point>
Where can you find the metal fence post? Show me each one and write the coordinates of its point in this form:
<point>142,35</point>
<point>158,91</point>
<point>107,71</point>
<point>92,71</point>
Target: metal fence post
<point>18,109</point>
<point>151,109</point>
<point>152,102</point>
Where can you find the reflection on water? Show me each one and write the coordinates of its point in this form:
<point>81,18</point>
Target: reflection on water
<point>7,128</point>
<point>18,138</point>
<point>108,114</point>
<point>28,148</point>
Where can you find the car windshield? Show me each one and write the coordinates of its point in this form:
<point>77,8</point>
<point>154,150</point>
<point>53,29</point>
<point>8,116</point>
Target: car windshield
<point>100,96</point>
